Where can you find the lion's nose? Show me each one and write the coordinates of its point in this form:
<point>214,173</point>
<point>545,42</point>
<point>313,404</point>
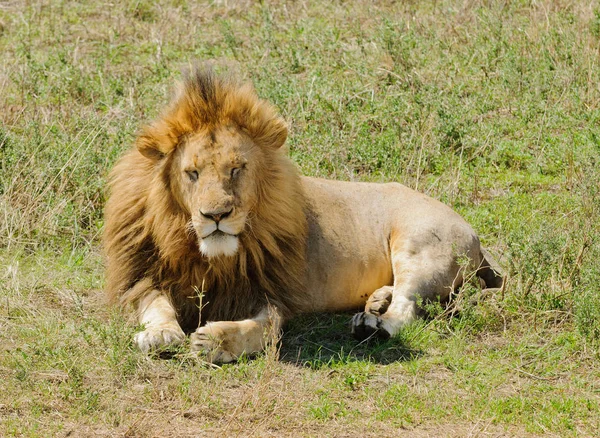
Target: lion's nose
<point>216,215</point>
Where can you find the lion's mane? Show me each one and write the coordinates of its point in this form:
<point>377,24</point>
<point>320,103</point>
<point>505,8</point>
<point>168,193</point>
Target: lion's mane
<point>148,244</point>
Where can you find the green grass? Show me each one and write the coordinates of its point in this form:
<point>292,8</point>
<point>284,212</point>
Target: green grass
<point>492,107</point>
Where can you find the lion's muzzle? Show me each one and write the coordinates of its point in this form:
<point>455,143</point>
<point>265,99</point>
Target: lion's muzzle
<point>216,215</point>
<point>218,232</point>
<point>219,243</point>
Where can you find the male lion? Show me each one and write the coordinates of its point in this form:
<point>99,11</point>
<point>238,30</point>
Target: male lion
<point>209,220</point>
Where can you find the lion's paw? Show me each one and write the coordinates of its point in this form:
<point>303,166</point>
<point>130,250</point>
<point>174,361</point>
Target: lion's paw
<point>379,301</point>
<point>215,341</point>
<point>158,337</point>
<point>364,325</point>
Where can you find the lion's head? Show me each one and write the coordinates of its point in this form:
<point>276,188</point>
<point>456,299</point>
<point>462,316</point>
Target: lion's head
<point>216,173</point>
<point>208,198</point>
<point>214,177</point>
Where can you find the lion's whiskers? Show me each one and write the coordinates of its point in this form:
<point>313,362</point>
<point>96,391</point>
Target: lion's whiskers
<point>248,223</point>
<point>190,228</point>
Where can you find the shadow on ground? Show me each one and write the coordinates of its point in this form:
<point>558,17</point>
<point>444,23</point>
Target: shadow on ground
<point>324,339</point>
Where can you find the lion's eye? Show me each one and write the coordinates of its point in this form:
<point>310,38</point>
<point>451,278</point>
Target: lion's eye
<point>235,172</point>
<point>192,175</point>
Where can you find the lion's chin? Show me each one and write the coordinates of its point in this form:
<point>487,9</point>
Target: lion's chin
<point>219,244</point>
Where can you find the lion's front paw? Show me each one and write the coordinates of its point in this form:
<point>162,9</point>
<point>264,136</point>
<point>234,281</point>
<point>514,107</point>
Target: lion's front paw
<point>159,336</point>
<point>218,341</point>
<point>365,325</point>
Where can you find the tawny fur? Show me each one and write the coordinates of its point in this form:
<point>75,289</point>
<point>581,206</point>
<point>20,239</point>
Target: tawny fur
<point>207,203</point>
<point>147,239</point>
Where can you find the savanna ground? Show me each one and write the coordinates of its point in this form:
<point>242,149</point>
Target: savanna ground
<point>490,106</point>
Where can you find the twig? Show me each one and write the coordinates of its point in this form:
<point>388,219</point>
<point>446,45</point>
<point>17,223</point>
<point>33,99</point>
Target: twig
<point>579,259</point>
<point>533,376</point>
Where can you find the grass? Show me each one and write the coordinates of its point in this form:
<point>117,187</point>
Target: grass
<point>491,107</point>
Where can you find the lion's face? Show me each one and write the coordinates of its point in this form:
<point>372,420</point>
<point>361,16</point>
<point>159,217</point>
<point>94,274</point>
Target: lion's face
<point>216,174</point>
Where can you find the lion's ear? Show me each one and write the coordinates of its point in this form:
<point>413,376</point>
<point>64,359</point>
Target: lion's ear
<point>148,148</point>
<point>154,143</point>
<point>275,133</point>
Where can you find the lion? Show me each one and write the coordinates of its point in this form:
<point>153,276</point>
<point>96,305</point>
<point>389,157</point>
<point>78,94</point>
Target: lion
<point>211,230</point>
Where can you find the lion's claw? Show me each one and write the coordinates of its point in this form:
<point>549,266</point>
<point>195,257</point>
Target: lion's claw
<point>364,325</point>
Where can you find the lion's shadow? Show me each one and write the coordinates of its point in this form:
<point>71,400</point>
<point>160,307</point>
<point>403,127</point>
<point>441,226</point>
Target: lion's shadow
<point>320,339</point>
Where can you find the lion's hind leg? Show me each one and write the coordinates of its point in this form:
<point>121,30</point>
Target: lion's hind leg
<point>424,275</point>
<point>368,323</point>
<point>379,301</point>
<point>424,272</point>
<point>385,314</point>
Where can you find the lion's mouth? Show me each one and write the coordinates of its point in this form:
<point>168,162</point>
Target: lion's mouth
<point>219,243</point>
<point>218,234</point>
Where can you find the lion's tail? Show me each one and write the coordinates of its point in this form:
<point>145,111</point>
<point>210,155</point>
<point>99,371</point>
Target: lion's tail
<point>490,271</point>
